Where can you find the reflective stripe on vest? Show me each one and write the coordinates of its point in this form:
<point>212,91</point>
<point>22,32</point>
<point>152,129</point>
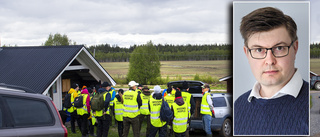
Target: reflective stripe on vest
<point>130,104</point>
<point>144,109</point>
<point>118,110</point>
<point>155,106</point>
<point>83,110</point>
<point>205,109</point>
<point>180,121</point>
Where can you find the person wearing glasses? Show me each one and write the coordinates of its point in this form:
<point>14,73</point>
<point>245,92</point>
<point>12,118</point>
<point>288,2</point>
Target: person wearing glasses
<point>278,103</point>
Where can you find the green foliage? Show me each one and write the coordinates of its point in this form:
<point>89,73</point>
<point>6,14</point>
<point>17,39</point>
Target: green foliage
<point>58,40</point>
<point>196,77</point>
<point>167,52</point>
<point>315,50</point>
<point>144,65</point>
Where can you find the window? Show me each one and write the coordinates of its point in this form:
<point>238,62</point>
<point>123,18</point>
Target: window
<point>219,102</point>
<point>28,112</point>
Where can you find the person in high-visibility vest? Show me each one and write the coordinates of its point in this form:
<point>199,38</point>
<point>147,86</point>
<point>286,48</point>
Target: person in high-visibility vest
<point>73,110</point>
<point>91,119</point>
<point>103,116</point>
<point>144,110</point>
<point>118,110</point>
<point>112,91</point>
<point>139,88</point>
<point>180,118</point>
<point>169,98</point>
<point>154,107</point>
<point>131,101</point>
<point>188,98</point>
<point>84,112</point>
<point>206,109</point>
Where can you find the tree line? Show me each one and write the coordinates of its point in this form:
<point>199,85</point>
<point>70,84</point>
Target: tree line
<point>166,52</point>
<point>315,50</point>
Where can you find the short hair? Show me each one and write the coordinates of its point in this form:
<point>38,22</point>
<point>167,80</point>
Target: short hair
<point>266,19</point>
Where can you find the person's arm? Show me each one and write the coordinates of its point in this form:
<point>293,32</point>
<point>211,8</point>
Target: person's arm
<point>149,106</point>
<point>88,104</point>
<point>106,102</point>
<point>209,100</point>
<point>193,105</point>
<point>139,100</point>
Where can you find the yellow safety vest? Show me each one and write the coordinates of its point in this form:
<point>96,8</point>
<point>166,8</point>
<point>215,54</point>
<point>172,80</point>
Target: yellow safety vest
<point>72,108</point>
<point>130,104</point>
<point>186,98</point>
<point>180,120</point>
<point>144,109</point>
<point>118,110</point>
<point>112,101</point>
<point>155,106</point>
<point>84,109</point>
<point>100,112</point>
<point>205,109</point>
<point>93,118</point>
<point>170,99</point>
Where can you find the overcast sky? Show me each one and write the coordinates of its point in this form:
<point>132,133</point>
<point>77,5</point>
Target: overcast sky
<point>122,22</point>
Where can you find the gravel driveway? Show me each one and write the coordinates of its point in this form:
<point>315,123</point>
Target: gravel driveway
<point>314,114</point>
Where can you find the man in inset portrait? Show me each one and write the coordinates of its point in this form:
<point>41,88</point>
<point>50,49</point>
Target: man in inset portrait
<point>278,103</point>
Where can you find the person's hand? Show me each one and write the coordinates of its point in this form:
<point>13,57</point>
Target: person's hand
<point>120,94</point>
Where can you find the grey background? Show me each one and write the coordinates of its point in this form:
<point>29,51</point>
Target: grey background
<point>243,79</point>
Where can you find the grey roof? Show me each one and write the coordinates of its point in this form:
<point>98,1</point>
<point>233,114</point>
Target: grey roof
<point>34,67</point>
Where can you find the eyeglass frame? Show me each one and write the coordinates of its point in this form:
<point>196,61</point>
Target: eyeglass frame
<point>271,51</point>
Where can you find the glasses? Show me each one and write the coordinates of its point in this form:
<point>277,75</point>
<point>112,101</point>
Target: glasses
<point>278,51</point>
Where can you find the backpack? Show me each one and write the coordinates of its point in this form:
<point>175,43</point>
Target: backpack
<point>165,112</point>
<point>97,102</point>
<point>67,101</point>
<point>78,102</point>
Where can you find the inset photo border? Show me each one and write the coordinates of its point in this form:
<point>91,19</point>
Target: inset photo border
<point>243,77</point>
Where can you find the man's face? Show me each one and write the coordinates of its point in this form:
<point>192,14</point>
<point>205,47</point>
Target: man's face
<point>272,71</point>
<point>108,87</point>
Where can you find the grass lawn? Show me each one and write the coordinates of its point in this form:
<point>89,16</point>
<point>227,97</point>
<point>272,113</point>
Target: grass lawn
<point>186,69</point>
<point>113,131</point>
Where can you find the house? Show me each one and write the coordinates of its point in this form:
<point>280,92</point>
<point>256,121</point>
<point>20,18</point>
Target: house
<point>313,74</point>
<point>229,80</point>
<point>50,70</point>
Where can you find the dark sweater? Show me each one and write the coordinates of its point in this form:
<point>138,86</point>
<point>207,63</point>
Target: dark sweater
<point>281,116</point>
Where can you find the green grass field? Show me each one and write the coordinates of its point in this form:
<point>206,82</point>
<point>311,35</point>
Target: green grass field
<point>315,66</point>
<point>186,70</point>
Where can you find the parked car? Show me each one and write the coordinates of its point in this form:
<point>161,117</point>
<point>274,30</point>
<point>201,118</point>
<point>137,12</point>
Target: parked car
<point>25,114</point>
<point>222,120</point>
<point>315,82</point>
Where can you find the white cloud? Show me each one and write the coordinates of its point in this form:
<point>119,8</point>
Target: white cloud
<point>120,22</point>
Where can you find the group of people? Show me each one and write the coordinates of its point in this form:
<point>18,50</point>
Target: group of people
<point>132,107</point>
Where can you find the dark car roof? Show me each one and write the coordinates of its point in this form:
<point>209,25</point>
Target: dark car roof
<point>194,86</point>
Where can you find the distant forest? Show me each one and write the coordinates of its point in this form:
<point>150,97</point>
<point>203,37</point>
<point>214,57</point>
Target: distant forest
<point>167,52</point>
<point>170,52</point>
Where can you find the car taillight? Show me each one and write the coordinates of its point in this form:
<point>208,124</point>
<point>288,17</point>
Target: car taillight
<point>64,128</point>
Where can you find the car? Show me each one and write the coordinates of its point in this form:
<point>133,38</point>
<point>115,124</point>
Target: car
<point>315,82</point>
<point>24,114</point>
<point>222,102</point>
